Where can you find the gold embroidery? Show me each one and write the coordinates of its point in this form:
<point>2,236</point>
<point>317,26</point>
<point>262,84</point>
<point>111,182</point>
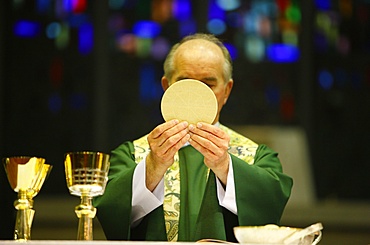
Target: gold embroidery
<point>171,203</point>
<point>241,146</point>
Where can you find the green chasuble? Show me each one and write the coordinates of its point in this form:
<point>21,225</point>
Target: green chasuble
<point>262,191</point>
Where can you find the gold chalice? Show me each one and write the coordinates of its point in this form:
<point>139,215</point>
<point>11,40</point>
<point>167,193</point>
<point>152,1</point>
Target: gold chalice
<point>86,175</point>
<point>26,176</point>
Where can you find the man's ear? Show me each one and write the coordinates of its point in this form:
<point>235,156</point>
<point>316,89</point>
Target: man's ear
<point>165,83</point>
<point>228,88</point>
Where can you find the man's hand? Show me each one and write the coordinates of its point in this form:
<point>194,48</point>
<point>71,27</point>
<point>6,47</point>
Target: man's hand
<point>213,143</point>
<point>164,141</point>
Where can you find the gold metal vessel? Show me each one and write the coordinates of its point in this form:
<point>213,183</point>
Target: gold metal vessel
<point>26,176</point>
<point>86,176</point>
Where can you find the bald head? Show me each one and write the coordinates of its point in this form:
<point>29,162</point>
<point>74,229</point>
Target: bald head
<point>199,46</point>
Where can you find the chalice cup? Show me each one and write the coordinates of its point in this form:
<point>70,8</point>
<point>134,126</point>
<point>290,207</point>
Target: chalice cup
<point>86,176</point>
<point>26,176</point>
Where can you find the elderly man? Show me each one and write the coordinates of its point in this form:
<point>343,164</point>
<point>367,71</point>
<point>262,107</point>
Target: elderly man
<point>186,182</point>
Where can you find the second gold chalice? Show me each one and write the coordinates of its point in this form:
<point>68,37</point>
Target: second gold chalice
<point>86,176</point>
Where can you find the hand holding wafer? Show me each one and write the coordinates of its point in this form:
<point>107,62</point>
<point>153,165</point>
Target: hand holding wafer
<point>213,143</point>
<point>164,141</point>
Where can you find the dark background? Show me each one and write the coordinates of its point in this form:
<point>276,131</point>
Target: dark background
<point>100,102</point>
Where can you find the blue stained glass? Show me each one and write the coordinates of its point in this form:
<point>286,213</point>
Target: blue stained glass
<point>85,38</point>
<point>266,8</point>
<point>282,53</point>
<point>250,22</point>
<point>68,6</point>
<point>146,29</point>
<point>216,26</point>
<point>232,50</point>
<point>326,80</point>
<point>77,20</point>
<point>53,30</point>
<point>234,19</point>
<point>150,88</point>
<point>215,12</point>
<point>187,27</point>
<point>321,42</point>
<point>228,5</point>
<point>323,4</point>
<point>26,28</point>
<point>182,9</point>
<point>43,6</point>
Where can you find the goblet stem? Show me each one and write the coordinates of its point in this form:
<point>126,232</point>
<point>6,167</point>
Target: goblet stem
<point>86,213</point>
<point>22,230</point>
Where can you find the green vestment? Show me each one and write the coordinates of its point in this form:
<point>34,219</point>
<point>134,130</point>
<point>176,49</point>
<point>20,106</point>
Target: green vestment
<point>261,189</point>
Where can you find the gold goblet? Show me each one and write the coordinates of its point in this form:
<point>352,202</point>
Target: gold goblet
<point>26,176</point>
<point>86,175</point>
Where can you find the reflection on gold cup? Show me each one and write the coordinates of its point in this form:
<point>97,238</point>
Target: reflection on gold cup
<point>86,176</point>
<point>26,176</point>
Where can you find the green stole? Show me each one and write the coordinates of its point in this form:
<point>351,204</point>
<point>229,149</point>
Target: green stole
<point>205,219</point>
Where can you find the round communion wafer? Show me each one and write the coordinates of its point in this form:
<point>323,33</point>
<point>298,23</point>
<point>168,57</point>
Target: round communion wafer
<point>189,100</point>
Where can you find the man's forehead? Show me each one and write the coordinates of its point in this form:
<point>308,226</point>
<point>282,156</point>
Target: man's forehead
<point>197,44</point>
